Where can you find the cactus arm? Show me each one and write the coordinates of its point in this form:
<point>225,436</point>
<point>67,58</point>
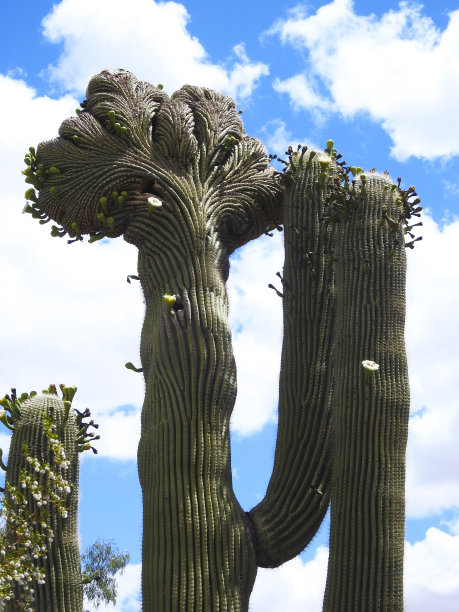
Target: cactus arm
<point>372,409</point>
<point>298,493</point>
<point>62,589</point>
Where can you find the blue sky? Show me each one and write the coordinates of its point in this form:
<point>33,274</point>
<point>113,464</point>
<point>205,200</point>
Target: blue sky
<point>382,80</point>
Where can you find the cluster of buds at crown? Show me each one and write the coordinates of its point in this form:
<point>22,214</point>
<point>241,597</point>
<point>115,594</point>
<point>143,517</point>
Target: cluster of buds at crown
<point>86,438</point>
<point>114,126</point>
<point>11,407</point>
<point>36,174</point>
<point>109,205</point>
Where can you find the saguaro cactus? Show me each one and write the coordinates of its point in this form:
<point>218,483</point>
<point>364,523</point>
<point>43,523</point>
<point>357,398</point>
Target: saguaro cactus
<point>179,179</point>
<point>43,465</point>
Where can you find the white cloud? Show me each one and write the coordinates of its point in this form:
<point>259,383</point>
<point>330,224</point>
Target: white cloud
<point>151,40</point>
<point>432,339</point>
<point>68,314</point>
<point>399,68</point>
<point>432,573</point>
<point>277,138</point>
<point>295,586</point>
<point>431,579</point>
<point>256,318</point>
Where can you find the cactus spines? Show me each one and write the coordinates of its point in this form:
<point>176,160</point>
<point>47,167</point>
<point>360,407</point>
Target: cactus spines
<point>178,178</point>
<point>42,493</point>
<point>196,188</point>
<point>371,406</point>
<point>49,432</point>
<point>291,512</point>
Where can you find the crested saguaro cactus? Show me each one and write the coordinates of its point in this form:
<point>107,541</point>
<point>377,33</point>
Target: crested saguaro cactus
<point>178,178</point>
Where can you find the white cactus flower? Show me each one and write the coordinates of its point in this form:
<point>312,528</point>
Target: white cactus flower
<point>370,366</point>
<point>154,202</point>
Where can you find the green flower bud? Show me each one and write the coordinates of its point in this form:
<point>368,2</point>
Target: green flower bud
<point>57,232</point>
<point>111,116</point>
<point>103,203</point>
<point>54,170</point>
<point>30,194</point>
<point>96,237</point>
<point>330,144</point>
<point>53,191</point>
<point>68,393</point>
<point>131,366</point>
<point>111,223</point>
<point>169,300</point>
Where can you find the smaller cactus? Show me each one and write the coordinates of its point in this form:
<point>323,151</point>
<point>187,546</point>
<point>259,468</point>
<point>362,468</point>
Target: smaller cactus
<point>41,499</point>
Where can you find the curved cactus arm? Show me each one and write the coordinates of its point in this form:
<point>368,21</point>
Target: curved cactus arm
<point>298,493</point>
<point>372,403</point>
<point>190,188</point>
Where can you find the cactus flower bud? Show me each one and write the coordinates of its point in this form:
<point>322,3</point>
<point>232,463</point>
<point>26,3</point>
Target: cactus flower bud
<point>169,301</point>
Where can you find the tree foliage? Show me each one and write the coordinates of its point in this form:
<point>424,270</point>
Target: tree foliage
<point>101,562</point>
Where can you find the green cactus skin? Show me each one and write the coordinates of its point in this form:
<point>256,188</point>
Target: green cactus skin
<point>197,188</point>
<point>371,418</point>
<point>298,494</point>
<point>62,590</point>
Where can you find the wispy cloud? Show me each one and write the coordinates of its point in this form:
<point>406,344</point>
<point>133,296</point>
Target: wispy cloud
<point>151,39</point>
<point>399,68</point>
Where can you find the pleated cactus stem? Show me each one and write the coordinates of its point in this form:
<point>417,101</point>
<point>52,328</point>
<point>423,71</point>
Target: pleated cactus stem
<point>42,497</point>
<point>298,494</point>
<point>196,188</point>
<point>371,399</point>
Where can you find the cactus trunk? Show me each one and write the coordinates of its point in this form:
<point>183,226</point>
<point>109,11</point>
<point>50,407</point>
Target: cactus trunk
<point>196,549</point>
<point>368,498</point>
